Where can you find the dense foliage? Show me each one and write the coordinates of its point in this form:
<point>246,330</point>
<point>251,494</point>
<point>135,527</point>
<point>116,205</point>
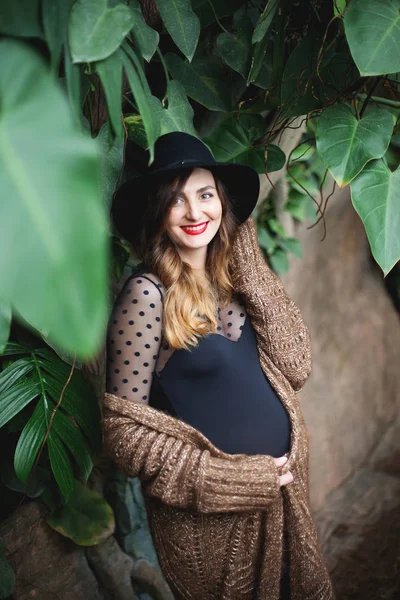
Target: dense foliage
<point>85,83</point>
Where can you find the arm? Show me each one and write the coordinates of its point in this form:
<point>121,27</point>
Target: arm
<point>145,443</point>
<point>134,338</point>
<point>275,317</point>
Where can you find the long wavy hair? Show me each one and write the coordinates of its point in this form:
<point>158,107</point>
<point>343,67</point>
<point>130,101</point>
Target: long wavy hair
<point>190,305</point>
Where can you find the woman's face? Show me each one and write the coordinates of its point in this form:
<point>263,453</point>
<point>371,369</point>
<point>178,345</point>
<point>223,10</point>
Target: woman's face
<point>195,216</point>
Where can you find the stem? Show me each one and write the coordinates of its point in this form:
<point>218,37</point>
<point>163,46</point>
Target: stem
<point>369,96</point>
<point>216,18</point>
<point>164,65</point>
<point>386,101</point>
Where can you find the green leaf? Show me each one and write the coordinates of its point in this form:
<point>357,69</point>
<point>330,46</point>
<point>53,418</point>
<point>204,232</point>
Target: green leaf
<point>345,144</point>
<point>29,443</point>
<point>275,158</point>
<point>111,160</point>
<point>182,24</point>
<point>178,116</point>
<point>97,30</point>
<point>142,95</point>
<point>265,240</point>
<point>236,49</point>
<point>135,129</point>
<point>20,18</point>
<point>232,141</point>
<point>74,441</point>
<point>291,245</point>
<point>373,34</point>
<point>55,23</point>
<point>276,227</point>
<point>145,38</point>
<point>339,7</point>
<point>61,466</point>
<point>7,575</point>
<point>110,73</point>
<point>13,400</point>
<point>279,262</point>
<point>265,21</point>
<point>304,88</point>
<point>300,206</point>
<point>37,482</point>
<point>208,11</point>
<point>86,518</point>
<point>205,81</point>
<point>63,248</point>
<point>375,194</point>
<point>16,371</point>
<point>73,77</point>
<point>5,323</point>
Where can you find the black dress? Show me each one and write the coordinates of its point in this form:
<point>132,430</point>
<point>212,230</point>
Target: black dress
<point>218,387</point>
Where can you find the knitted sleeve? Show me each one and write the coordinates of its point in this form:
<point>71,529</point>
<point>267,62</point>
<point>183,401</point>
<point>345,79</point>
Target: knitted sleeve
<point>176,470</point>
<point>274,315</point>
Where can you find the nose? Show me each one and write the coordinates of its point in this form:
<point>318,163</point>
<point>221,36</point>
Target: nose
<point>193,212</point>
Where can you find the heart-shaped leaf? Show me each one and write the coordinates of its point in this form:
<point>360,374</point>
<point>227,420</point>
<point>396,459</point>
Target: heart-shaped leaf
<point>236,49</point>
<point>182,24</point>
<point>86,518</point>
<point>375,194</point>
<point>97,30</point>
<point>373,34</point>
<point>63,243</point>
<point>346,144</point>
<point>204,80</point>
<point>145,38</point>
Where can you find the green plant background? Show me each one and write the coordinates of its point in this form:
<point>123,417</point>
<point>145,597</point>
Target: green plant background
<point>83,85</point>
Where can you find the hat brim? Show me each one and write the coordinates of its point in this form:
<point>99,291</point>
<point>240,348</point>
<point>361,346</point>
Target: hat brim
<point>130,200</point>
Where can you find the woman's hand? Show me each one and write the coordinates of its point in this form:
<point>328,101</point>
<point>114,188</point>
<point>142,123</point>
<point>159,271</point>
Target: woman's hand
<point>287,477</point>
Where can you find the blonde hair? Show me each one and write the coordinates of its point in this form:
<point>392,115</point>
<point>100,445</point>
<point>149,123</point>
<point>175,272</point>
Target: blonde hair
<point>190,306</point>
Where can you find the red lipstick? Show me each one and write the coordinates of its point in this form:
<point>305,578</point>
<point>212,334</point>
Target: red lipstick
<point>195,231</point>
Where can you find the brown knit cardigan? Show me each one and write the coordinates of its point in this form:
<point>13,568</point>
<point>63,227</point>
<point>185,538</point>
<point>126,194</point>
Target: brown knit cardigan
<point>218,521</point>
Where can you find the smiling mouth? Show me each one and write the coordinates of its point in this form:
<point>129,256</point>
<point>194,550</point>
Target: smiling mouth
<point>195,229</point>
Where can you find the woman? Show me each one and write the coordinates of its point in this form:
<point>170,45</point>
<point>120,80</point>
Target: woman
<point>205,353</point>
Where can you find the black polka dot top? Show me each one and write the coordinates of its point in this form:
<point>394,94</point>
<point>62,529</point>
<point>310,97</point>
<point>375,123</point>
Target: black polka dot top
<point>218,387</point>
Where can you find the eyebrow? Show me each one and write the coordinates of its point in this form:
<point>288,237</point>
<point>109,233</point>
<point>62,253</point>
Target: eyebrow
<point>202,189</point>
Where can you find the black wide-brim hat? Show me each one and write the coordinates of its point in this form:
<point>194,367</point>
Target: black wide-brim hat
<point>174,152</point>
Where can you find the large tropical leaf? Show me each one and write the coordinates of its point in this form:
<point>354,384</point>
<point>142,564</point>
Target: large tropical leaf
<point>86,518</point>
<point>57,278</point>
<point>310,81</point>
<point>142,94</point>
<point>110,73</point>
<point>96,29</point>
<point>346,144</point>
<point>373,33</point>
<point>233,141</point>
<point>236,49</point>
<point>5,323</point>
<point>375,194</point>
<point>111,159</point>
<point>205,81</point>
<point>61,466</point>
<point>41,376</point>
<point>20,18</point>
<point>55,23</point>
<point>182,24</point>
<point>145,38</point>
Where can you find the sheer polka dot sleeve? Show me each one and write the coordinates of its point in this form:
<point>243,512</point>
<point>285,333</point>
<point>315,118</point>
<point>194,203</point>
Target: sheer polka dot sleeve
<point>134,338</point>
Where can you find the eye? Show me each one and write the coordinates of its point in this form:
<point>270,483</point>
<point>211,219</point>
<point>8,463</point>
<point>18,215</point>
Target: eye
<point>209,194</point>
<point>176,200</point>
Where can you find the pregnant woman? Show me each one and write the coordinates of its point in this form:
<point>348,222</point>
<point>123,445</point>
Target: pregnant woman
<point>205,354</point>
